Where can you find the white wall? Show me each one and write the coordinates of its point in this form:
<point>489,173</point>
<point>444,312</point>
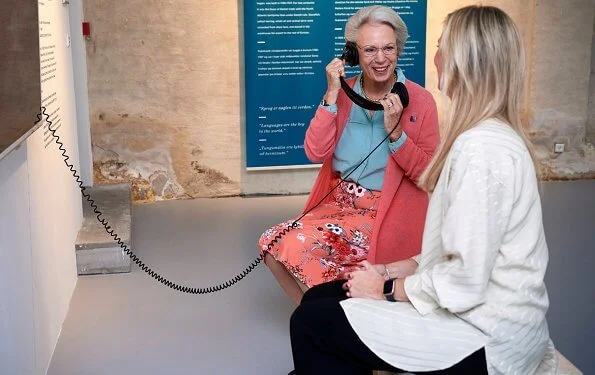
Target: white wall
<point>17,333</point>
<point>41,213</point>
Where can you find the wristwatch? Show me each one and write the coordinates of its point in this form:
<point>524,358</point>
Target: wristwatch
<point>389,290</point>
<point>324,103</point>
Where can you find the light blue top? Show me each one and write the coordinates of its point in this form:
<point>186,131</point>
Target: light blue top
<point>361,135</point>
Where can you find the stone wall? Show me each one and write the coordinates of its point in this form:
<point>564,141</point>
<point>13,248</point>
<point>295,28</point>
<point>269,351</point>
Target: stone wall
<point>591,121</point>
<point>559,88</point>
<point>164,96</point>
<point>165,92</point>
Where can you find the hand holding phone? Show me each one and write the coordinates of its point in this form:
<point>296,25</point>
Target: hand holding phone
<point>335,70</point>
<point>351,57</point>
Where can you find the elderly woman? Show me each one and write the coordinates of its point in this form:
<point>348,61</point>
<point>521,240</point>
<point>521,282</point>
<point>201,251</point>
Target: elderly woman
<point>477,302</point>
<point>357,211</point>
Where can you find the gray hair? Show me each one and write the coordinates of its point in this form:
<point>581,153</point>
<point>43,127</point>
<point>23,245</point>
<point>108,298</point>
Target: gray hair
<point>377,14</point>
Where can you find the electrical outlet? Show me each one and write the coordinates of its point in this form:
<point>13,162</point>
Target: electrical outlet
<point>558,148</point>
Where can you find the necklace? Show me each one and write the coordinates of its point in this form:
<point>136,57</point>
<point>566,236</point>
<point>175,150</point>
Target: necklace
<point>361,83</point>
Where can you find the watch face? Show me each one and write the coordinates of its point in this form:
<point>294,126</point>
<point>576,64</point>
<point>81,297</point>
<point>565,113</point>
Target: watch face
<point>389,286</point>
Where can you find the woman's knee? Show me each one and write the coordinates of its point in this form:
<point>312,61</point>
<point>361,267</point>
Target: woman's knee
<point>271,262</point>
<point>299,319</point>
<point>331,289</point>
<point>315,315</point>
<point>307,314</point>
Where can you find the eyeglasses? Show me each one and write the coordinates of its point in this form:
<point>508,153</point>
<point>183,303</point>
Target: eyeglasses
<point>388,50</point>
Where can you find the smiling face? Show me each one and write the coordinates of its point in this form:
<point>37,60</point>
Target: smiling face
<point>380,66</point>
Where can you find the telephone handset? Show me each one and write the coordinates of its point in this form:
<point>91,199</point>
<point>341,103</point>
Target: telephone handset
<point>351,57</point>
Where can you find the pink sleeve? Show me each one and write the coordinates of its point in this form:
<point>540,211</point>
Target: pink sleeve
<point>321,135</point>
<point>414,157</point>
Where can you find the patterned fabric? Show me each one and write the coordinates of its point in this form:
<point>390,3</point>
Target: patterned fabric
<point>330,239</point>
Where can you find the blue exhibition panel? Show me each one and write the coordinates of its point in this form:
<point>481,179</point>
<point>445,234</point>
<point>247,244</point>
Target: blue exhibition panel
<point>287,45</point>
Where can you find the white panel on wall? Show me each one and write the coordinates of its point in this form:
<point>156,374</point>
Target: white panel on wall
<point>17,343</point>
<point>79,60</point>
<point>56,207</point>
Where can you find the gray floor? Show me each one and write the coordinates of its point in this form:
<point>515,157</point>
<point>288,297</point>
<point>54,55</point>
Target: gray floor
<point>129,324</point>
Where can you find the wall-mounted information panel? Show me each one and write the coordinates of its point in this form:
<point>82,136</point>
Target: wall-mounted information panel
<point>19,72</point>
<point>287,46</point>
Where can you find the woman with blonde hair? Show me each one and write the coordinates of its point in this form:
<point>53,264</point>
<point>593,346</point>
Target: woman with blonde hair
<point>476,303</point>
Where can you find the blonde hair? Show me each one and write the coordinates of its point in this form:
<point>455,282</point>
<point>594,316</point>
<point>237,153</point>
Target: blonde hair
<point>377,14</point>
<point>483,71</point>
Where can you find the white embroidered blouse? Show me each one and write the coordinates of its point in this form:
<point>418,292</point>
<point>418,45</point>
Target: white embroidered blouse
<point>480,278</point>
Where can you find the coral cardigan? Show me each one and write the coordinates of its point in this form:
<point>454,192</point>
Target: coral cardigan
<point>398,228</point>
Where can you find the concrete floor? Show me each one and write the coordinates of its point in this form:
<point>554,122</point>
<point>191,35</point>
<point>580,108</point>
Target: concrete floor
<point>130,324</point>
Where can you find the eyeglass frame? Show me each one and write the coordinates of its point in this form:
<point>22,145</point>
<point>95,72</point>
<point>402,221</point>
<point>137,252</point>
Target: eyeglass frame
<point>376,49</point>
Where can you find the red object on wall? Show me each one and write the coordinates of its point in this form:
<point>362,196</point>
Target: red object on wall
<point>86,29</point>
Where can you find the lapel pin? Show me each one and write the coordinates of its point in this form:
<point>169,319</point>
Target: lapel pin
<point>412,118</point>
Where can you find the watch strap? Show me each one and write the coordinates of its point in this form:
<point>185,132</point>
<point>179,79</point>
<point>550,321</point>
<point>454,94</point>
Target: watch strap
<point>390,297</point>
<point>389,290</point>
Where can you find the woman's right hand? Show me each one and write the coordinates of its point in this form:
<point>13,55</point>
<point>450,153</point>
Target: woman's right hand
<point>334,70</point>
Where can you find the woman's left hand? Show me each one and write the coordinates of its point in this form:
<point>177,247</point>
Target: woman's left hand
<point>392,113</point>
<point>365,282</point>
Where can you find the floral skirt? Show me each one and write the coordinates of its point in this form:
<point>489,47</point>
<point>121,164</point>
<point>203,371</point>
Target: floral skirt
<point>327,241</point>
